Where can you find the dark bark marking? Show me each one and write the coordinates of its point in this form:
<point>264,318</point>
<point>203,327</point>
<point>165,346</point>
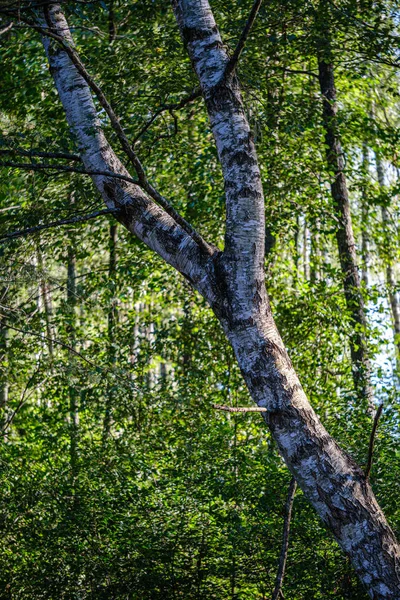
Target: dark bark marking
<point>195,34</point>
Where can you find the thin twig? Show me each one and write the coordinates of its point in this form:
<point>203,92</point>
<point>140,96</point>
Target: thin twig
<point>240,409</point>
<point>24,398</point>
<point>40,154</point>
<point>55,341</point>
<point>230,67</point>
<point>170,107</point>
<point>372,441</point>
<point>7,208</point>
<point>76,219</point>
<point>277,593</point>
<point>65,169</point>
<point>294,71</point>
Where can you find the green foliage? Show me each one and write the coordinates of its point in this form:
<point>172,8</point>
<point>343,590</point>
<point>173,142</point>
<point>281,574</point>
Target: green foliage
<point>179,500</point>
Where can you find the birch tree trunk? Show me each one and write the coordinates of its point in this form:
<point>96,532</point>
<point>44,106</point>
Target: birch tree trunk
<point>315,253</point>
<point>233,283</point>
<point>296,257</point>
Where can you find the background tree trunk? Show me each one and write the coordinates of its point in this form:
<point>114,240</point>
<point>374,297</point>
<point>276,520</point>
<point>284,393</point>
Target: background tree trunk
<point>71,330</point>
<point>112,323</point>
<point>47,304</point>
<point>345,237</point>
<point>4,366</point>
<point>365,219</point>
<point>388,259</point>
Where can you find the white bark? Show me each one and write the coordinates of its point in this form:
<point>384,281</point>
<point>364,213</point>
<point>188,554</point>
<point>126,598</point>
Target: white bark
<point>233,283</point>
<point>141,215</point>
<point>245,218</point>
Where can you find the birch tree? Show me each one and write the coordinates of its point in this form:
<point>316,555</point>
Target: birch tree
<point>232,280</point>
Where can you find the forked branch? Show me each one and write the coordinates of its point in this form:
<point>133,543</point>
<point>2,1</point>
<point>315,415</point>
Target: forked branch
<point>65,41</point>
<point>231,66</point>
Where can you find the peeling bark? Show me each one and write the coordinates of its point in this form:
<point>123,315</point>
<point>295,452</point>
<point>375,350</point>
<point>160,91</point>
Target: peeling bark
<point>233,284</point>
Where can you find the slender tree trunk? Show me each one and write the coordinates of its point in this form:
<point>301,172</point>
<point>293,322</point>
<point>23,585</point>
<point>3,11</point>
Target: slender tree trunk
<point>4,385</point>
<point>306,253</point>
<point>390,279</point>
<point>345,237</point>
<point>186,331</point>
<point>112,322</point>
<point>365,219</point>
<point>71,330</point>
<point>275,96</point>
<point>314,253</point>
<point>277,593</point>
<point>112,28</point>
<point>149,334</point>
<point>296,258</point>
<point>4,366</point>
<point>47,304</point>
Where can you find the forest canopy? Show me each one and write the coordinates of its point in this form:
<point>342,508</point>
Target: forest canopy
<point>199,249</point>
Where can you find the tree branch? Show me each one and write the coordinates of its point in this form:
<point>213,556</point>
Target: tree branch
<point>170,107</point>
<point>230,67</point>
<point>6,28</point>
<point>240,409</point>
<point>22,401</point>
<point>295,71</point>
<point>65,169</point>
<point>66,42</point>
<point>154,225</point>
<point>76,219</point>
<point>277,593</point>
<point>38,153</point>
<point>55,341</point>
<point>372,441</point>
